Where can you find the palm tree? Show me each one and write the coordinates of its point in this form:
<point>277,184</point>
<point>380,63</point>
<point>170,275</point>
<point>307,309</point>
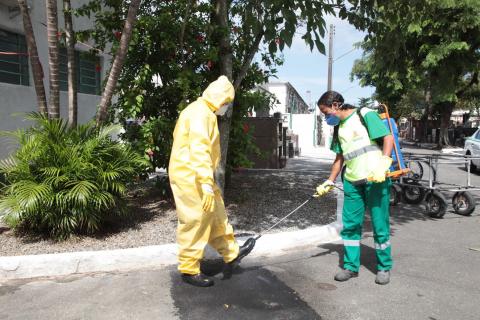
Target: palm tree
<point>34,60</point>
<point>72,73</point>
<point>52,32</point>
<point>118,61</point>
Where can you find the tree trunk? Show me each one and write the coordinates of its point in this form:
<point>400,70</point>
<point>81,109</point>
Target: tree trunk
<point>52,32</point>
<point>446,113</point>
<point>248,60</point>
<point>426,113</point>
<point>118,61</point>
<point>34,60</point>
<point>71,65</point>
<point>226,68</point>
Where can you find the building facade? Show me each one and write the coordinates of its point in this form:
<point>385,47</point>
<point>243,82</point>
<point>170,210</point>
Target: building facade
<point>288,99</point>
<point>17,92</point>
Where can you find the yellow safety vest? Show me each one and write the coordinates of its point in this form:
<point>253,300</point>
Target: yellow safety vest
<point>361,155</point>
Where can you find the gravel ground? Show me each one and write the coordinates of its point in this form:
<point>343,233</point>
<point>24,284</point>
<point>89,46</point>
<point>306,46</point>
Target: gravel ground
<point>254,201</point>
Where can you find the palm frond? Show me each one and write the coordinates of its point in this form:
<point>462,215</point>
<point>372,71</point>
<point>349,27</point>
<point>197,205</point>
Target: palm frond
<point>64,180</point>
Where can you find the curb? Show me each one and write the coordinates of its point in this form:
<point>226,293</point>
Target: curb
<point>154,257</point>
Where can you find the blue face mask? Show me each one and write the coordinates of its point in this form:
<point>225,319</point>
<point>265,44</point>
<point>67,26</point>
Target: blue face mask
<point>332,120</point>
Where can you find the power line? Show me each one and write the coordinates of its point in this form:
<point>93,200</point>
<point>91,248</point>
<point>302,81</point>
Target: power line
<point>343,55</point>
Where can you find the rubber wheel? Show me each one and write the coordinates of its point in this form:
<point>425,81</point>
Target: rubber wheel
<point>395,194</point>
<point>473,168</point>
<point>463,203</point>
<point>416,170</point>
<point>436,204</point>
<point>413,192</point>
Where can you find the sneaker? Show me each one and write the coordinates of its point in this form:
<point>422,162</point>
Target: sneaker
<point>198,280</point>
<point>345,274</point>
<point>383,277</point>
<point>242,253</point>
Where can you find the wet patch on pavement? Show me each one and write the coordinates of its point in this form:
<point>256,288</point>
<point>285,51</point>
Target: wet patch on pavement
<point>253,293</point>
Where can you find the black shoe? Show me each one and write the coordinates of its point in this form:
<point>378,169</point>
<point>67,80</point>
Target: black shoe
<point>242,253</point>
<point>345,274</point>
<point>198,280</point>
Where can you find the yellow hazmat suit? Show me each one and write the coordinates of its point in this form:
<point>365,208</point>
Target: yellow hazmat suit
<point>195,155</point>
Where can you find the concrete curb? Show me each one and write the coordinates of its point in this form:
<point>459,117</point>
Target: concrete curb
<point>48,265</point>
<point>154,257</point>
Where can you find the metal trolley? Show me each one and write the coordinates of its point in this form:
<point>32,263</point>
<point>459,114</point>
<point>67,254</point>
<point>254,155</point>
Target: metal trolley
<point>418,185</point>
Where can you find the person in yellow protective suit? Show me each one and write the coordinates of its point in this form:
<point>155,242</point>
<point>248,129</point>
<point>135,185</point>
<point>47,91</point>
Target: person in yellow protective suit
<point>201,212</point>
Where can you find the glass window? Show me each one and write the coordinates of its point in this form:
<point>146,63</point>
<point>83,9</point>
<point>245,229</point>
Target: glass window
<point>88,72</point>
<point>13,67</point>
<point>477,135</point>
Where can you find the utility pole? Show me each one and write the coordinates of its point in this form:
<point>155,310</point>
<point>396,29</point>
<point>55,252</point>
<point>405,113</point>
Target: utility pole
<point>330,56</point>
<point>315,128</point>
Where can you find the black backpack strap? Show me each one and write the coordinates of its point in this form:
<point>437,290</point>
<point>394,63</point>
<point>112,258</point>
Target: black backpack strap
<point>359,112</point>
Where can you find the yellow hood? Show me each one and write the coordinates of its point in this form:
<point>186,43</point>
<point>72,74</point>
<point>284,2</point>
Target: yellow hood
<point>219,92</point>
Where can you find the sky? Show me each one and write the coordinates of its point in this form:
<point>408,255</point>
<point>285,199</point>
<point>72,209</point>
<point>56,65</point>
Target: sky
<point>307,70</point>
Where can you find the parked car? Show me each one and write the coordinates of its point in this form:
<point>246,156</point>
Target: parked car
<point>472,149</point>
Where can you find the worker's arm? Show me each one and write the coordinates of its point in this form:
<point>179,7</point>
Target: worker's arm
<point>388,145</point>
<point>336,167</point>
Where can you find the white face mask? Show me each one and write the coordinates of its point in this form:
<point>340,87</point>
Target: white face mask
<point>223,109</point>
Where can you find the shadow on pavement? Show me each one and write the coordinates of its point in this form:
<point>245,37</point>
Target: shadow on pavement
<point>252,293</point>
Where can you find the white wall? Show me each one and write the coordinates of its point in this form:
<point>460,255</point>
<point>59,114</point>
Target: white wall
<point>280,92</point>
<point>327,133</point>
<point>21,99</point>
<point>304,126</point>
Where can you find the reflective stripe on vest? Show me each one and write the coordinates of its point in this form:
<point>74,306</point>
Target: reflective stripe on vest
<point>359,152</point>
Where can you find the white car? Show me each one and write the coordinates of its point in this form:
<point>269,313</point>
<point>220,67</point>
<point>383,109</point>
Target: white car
<point>472,149</point>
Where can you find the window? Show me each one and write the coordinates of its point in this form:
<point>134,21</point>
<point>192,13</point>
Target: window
<point>477,135</point>
<point>13,68</point>
<point>88,72</point>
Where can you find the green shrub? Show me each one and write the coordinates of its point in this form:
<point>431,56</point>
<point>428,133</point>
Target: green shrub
<point>65,180</point>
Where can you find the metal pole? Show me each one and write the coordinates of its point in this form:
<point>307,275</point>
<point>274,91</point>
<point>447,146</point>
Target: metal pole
<point>330,56</point>
<point>430,182</point>
<point>468,172</point>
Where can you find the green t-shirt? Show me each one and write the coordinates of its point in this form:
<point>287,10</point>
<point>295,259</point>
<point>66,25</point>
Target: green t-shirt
<point>375,126</point>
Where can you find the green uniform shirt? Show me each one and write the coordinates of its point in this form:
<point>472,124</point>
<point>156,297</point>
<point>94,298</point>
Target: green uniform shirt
<point>375,127</point>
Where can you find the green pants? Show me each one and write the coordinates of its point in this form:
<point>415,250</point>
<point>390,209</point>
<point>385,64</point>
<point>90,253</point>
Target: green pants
<point>376,197</point>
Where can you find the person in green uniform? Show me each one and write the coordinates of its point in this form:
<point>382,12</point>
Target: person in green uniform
<point>363,144</point>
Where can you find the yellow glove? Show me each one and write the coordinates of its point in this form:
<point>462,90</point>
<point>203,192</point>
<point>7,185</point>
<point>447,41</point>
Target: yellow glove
<point>324,188</point>
<point>378,176</point>
<point>208,198</point>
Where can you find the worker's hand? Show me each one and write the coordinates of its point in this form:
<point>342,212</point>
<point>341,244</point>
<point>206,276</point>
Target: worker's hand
<point>378,176</point>
<point>208,198</point>
<point>324,188</point>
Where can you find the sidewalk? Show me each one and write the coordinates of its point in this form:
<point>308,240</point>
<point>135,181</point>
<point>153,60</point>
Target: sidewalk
<point>316,162</point>
<point>432,146</point>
